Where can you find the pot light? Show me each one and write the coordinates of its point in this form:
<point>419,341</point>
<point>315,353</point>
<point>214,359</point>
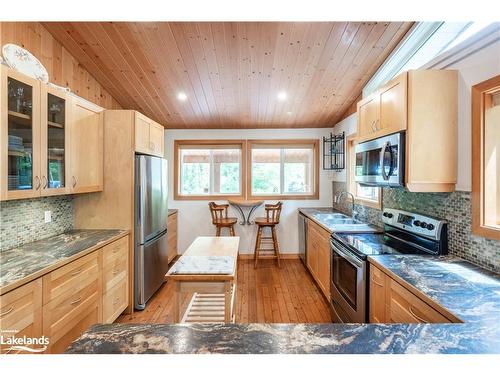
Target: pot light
<point>282,96</point>
<point>182,96</point>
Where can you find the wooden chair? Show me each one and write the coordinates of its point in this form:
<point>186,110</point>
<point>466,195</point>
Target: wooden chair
<point>220,218</point>
<point>273,212</point>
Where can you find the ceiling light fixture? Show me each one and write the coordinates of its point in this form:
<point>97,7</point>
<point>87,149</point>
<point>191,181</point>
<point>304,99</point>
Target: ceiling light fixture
<point>182,96</point>
<point>282,96</point>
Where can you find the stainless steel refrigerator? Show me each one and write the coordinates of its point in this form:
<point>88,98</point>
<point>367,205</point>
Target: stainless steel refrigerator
<point>151,262</point>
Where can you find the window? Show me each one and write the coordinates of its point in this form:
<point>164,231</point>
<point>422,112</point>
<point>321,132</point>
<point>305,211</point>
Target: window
<point>286,169</point>
<point>364,195</point>
<point>208,169</point>
<point>486,158</point>
<point>424,42</point>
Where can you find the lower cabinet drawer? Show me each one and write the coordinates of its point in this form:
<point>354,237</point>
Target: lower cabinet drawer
<point>405,307</point>
<point>21,314</point>
<point>64,319</point>
<point>115,301</point>
<point>114,272</point>
<point>73,276</point>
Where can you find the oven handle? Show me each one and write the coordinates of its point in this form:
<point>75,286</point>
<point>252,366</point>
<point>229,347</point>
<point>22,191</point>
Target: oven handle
<point>382,157</point>
<point>350,258</point>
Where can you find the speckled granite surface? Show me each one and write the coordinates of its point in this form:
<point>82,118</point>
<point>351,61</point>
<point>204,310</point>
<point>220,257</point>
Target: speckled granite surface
<point>199,264</point>
<point>28,259</point>
<point>317,214</point>
<point>470,293</point>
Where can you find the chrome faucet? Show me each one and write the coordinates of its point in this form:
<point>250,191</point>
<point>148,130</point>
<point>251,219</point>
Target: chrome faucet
<point>339,195</point>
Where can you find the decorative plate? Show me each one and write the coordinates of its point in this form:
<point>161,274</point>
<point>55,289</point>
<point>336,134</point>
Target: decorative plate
<point>24,62</point>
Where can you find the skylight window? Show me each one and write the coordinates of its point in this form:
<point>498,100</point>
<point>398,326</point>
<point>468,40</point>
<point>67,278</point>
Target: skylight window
<point>426,41</point>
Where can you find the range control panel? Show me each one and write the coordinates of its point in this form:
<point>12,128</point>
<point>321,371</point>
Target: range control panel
<point>414,223</point>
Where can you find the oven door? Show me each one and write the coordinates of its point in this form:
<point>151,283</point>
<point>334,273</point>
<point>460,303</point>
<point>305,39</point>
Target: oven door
<point>348,285</point>
<point>380,162</point>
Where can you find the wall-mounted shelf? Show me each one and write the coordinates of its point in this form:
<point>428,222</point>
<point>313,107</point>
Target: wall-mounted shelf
<point>334,152</point>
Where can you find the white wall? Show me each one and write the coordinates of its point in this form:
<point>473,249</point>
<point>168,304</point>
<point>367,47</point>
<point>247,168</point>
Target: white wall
<point>473,69</point>
<point>348,125</point>
<point>194,216</point>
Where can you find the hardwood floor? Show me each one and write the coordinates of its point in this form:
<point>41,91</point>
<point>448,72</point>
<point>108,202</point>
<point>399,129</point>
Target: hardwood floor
<point>267,294</point>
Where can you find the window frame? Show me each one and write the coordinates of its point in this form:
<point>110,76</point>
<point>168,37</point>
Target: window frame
<point>278,143</point>
<point>477,155</point>
<point>351,184</point>
<point>178,145</point>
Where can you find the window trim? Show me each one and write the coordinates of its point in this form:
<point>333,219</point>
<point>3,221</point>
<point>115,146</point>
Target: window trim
<point>351,184</point>
<point>280,142</point>
<point>209,142</point>
<point>477,200</point>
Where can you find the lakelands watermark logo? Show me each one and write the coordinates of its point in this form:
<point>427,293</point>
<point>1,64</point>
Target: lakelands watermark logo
<point>11,343</point>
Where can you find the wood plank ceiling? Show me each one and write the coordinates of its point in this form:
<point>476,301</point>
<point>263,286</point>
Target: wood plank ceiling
<point>233,73</point>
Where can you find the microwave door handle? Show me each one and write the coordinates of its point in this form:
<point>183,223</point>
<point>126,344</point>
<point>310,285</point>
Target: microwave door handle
<point>382,157</point>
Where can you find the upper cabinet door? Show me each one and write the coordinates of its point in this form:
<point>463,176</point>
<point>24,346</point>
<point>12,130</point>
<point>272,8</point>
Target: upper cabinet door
<point>148,136</point>
<point>142,129</point>
<point>54,142</point>
<point>393,106</point>
<point>368,115</point>
<point>156,137</point>
<point>86,133</point>
<point>20,136</point>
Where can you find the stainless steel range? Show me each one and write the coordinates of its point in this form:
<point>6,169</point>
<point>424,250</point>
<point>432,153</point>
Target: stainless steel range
<point>404,233</point>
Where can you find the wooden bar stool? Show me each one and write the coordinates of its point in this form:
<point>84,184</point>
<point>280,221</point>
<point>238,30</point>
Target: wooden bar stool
<point>220,219</point>
<point>272,219</point>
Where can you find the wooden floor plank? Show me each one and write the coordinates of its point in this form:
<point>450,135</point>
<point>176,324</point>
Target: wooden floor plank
<point>267,294</point>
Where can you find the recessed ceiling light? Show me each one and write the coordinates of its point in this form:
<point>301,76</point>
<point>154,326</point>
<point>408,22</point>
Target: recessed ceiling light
<point>182,96</point>
<point>289,113</point>
<point>282,96</point>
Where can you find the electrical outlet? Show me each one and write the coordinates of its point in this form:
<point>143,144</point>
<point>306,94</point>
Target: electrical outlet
<point>48,216</point>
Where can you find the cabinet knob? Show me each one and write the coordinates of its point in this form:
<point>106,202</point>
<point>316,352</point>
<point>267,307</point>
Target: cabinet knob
<point>74,181</point>
<point>45,182</point>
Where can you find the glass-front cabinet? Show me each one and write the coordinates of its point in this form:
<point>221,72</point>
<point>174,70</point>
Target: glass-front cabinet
<point>54,145</point>
<point>34,138</point>
<point>20,136</point>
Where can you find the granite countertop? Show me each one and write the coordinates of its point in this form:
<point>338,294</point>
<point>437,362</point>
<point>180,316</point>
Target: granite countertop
<point>317,214</point>
<point>172,211</point>
<point>470,293</point>
<point>27,262</point>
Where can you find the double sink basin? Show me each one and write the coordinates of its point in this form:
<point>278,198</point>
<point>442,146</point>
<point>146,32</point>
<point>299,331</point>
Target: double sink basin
<point>338,222</point>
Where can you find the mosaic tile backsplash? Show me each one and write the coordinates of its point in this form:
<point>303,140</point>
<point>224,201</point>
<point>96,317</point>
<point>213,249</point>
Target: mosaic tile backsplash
<point>454,207</point>
<point>22,221</point>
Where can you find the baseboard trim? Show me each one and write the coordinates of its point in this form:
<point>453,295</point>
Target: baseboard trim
<point>282,256</point>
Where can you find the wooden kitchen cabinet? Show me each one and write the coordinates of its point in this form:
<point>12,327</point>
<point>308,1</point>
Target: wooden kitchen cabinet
<point>172,236</point>
<point>20,137</point>
<point>21,312</point>
<point>86,146</point>
<point>391,302</point>
<point>72,299</point>
<point>377,296</point>
<point>149,137</point>
<point>318,256</point>
<point>115,279</point>
<point>368,112</point>
<point>51,142</point>
<point>55,122</point>
<point>424,104</point>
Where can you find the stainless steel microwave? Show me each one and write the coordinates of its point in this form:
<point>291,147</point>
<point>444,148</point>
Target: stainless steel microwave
<point>381,162</point>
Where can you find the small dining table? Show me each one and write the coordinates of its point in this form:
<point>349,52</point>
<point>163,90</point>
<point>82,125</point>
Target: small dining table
<point>208,270</point>
<point>239,204</point>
